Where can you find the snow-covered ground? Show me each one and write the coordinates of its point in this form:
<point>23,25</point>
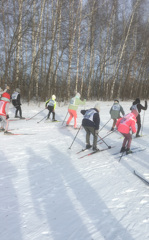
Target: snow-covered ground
<point>48,193</point>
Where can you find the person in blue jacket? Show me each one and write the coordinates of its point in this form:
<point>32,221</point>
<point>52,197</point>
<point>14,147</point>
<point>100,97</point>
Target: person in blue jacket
<point>90,123</point>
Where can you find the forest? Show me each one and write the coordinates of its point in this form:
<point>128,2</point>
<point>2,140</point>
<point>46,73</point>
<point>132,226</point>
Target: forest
<point>99,48</point>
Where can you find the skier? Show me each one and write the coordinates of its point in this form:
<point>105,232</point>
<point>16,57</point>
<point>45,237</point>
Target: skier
<point>72,109</point>
<point>51,105</point>
<point>136,105</point>
<point>91,123</point>
<point>4,107</point>
<point>115,111</point>
<point>124,125</point>
<point>17,103</point>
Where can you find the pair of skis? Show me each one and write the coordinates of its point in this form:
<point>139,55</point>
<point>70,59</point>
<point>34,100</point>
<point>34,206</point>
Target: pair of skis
<point>134,150</point>
<point>93,152</point>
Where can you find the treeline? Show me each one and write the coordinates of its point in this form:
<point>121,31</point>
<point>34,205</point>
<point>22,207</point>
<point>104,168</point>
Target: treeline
<point>97,47</point>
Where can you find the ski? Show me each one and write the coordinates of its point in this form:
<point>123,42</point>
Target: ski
<point>10,134</point>
<point>141,177</point>
<point>47,121</point>
<point>91,153</point>
<point>83,150</point>
<point>124,153</point>
<point>16,119</point>
<point>119,152</point>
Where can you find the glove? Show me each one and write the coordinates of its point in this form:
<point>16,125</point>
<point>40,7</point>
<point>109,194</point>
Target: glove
<point>7,116</point>
<point>96,132</point>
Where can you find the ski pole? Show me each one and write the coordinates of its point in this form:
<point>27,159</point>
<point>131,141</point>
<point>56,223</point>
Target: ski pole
<point>42,119</point>
<point>104,142</point>
<point>107,135</point>
<point>35,115</point>
<point>75,137</point>
<point>64,119</point>
<point>142,123</point>
<point>105,125</point>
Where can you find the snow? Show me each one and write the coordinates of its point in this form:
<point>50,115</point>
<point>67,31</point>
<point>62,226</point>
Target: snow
<point>48,193</point>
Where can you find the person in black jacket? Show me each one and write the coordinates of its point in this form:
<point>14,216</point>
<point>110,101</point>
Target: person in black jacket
<point>91,123</point>
<point>17,102</point>
<point>136,105</point>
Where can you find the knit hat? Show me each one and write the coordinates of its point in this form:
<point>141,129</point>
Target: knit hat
<point>53,97</point>
<point>5,97</point>
<point>18,90</point>
<point>97,106</point>
<point>116,101</point>
<point>137,100</point>
<point>135,112</point>
<point>78,95</point>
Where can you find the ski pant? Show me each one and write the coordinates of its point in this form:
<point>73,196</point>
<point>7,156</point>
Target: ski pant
<point>4,123</point>
<point>89,131</point>
<point>138,124</point>
<point>114,123</point>
<point>72,113</point>
<point>18,109</point>
<point>51,110</point>
<point>127,140</point>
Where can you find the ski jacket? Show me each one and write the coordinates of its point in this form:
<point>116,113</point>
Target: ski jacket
<point>75,102</point>
<point>127,123</point>
<point>51,102</point>
<point>91,118</point>
<point>115,111</point>
<point>4,107</point>
<point>16,99</point>
<point>136,105</point>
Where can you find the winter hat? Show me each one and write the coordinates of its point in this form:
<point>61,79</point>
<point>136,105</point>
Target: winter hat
<point>116,101</point>
<point>137,100</point>
<point>53,97</point>
<point>18,90</point>
<point>135,112</point>
<point>78,95</point>
<point>5,97</point>
<point>97,106</point>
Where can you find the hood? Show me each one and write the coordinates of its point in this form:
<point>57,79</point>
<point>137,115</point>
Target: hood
<point>5,97</point>
<point>136,101</point>
<point>97,106</point>
<point>53,97</point>
<point>78,95</point>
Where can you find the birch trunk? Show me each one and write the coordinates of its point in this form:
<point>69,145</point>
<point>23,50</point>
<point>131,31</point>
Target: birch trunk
<point>123,49</point>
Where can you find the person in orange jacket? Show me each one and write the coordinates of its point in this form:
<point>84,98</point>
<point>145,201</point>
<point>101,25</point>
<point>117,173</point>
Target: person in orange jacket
<point>125,125</point>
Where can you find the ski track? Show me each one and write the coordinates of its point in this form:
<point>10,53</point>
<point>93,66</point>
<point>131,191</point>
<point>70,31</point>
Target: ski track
<point>47,193</point>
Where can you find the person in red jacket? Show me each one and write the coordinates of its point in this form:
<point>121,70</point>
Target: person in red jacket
<point>4,107</point>
<point>125,125</point>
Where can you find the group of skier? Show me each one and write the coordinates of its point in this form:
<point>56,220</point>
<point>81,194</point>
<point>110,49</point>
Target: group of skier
<point>125,124</point>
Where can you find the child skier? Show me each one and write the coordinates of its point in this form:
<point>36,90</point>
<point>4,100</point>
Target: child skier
<point>51,105</point>
<point>72,109</point>
<point>124,125</point>
<point>4,107</point>
<point>115,111</point>
<point>136,105</point>
<point>91,123</point>
<point>17,103</point>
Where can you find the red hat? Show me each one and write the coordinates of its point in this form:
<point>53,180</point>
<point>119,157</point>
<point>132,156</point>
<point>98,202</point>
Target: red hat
<point>5,97</point>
